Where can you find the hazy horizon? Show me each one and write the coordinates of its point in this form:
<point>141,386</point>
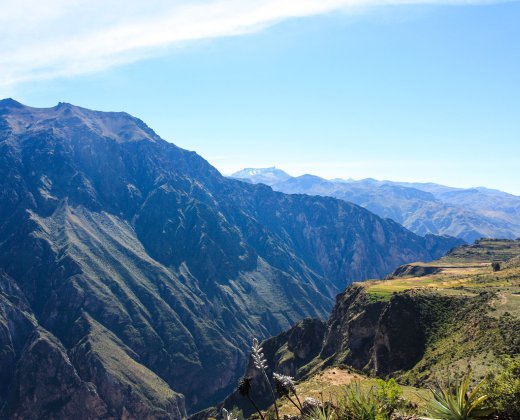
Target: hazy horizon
<point>360,179</point>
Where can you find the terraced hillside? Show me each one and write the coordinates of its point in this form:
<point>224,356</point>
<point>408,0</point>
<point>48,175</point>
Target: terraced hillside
<point>465,270</point>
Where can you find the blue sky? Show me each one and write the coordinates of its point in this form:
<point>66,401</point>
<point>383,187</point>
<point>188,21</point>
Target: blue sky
<point>416,92</point>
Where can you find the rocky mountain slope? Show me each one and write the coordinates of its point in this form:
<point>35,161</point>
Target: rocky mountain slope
<point>425,320</point>
<point>423,208</point>
<point>133,275</point>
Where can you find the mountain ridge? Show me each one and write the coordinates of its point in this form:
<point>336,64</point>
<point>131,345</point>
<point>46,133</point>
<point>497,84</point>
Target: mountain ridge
<point>470,213</point>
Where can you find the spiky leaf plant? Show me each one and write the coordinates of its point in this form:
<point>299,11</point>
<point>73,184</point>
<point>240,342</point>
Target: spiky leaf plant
<point>361,405</point>
<point>459,402</point>
<point>321,413</point>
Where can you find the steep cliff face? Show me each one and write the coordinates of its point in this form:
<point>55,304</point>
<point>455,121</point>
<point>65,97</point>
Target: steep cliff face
<point>47,385</point>
<point>414,336</point>
<point>145,273</point>
<point>384,337</point>
<point>351,329</point>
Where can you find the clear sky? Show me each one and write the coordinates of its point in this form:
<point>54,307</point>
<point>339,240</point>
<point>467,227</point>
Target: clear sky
<point>422,91</point>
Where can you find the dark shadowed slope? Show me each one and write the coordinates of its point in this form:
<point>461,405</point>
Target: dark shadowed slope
<point>423,208</point>
<point>132,271</point>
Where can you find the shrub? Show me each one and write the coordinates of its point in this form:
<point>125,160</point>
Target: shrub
<point>359,404</point>
<point>356,403</point>
<point>375,403</point>
<point>389,394</point>
<point>503,388</point>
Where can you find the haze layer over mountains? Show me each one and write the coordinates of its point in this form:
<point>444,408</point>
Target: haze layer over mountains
<point>423,208</point>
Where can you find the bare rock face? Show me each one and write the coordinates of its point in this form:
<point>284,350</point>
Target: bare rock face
<point>130,389</point>
<point>44,382</point>
<point>351,328</point>
<point>138,275</point>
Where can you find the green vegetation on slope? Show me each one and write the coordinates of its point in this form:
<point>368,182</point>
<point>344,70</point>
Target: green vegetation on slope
<point>464,271</point>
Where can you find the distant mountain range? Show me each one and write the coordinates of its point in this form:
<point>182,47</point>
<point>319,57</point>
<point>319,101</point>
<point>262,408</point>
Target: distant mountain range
<point>423,208</point>
<point>133,275</point>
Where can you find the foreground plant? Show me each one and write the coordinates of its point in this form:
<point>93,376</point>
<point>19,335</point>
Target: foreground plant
<point>321,413</point>
<point>359,404</point>
<point>244,389</point>
<point>285,387</point>
<point>226,415</point>
<point>375,403</point>
<point>261,364</point>
<point>389,394</point>
<point>458,402</point>
<point>503,388</point>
